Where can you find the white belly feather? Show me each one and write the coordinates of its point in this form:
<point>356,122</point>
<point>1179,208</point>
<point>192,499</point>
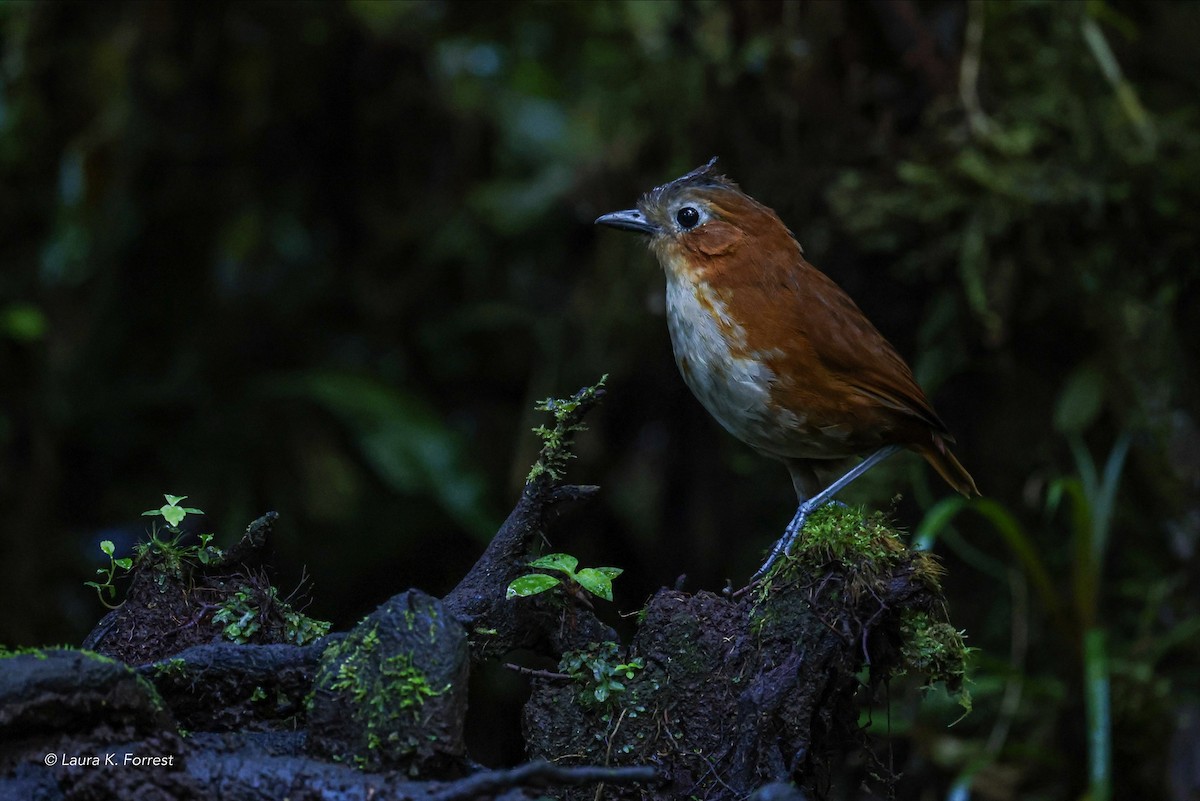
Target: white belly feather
<point>735,389</point>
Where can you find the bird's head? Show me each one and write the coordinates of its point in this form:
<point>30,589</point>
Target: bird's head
<point>699,218</point>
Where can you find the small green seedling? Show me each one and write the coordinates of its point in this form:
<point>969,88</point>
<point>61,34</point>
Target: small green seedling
<point>109,573</point>
<point>167,548</point>
<point>596,580</point>
<point>164,548</point>
<point>172,512</point>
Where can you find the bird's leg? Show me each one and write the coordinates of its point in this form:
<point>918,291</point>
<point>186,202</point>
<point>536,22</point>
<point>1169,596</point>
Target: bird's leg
<point>816,502</point>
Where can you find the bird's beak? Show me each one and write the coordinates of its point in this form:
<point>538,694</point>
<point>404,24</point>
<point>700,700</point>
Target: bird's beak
<point>630,220</point>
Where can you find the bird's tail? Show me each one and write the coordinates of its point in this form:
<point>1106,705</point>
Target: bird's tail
<point>948,467</point>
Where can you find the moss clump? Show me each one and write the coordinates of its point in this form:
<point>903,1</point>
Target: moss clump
<point>172,668</point>
<point>392,693</point>
<point>386,692</point>
<point>384,687</point>
<point>836,533</point>
<point>852,537</point>
<point>556,441</point>
<point>936,650</point>
<point>864,548</point>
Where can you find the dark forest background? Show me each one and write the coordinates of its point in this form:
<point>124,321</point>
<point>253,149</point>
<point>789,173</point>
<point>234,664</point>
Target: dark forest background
<point>323,258</point>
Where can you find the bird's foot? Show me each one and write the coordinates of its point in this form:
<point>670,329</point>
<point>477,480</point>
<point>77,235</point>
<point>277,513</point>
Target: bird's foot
<point>784,543</point>
<point>815,502</point>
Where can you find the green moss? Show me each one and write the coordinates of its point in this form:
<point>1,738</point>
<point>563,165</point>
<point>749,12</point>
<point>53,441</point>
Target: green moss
<point>556,441</point>
<point>44,653</point>
<point>403,685</point>
<point>385,687</point>
<point>352,659</point>
<point>370,640</point>
<point>39,653</point>
<point>384,692</point>
<point>861,545</point>
<point>148,687</point>
<point>849,535</point>
<point>171,668</point>
<point>936,650</point>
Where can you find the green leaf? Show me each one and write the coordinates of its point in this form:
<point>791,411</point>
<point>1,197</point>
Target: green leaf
<point>530,585</point>
<point>595,582</point>
<point>557,561</point>
<point>191,510</point>
<point>152,513</point>
<point>107,546</point>
<point>173,500</point>
<point>173,515</point>
<point>124,563</point>
<point>611,572</point>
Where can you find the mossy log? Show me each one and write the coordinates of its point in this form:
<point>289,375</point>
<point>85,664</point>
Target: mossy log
<point>746,695</point>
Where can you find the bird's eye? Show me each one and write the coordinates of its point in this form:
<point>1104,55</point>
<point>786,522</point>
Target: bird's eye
<point>687,217</point>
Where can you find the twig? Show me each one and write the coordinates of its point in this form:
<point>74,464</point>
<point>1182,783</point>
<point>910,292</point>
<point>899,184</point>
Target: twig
<point>737,594</point>
<point>541,674</point>
<point>540,774</point>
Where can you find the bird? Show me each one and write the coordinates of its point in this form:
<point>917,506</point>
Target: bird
<point>775,350</point>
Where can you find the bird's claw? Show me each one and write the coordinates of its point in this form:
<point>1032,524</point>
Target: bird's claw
<point>784,544</point>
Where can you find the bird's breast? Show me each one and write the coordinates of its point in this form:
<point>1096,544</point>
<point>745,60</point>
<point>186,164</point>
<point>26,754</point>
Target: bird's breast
<point>732,381</point>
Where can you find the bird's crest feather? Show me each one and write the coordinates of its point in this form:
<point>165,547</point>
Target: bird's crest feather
<point>703,177</point>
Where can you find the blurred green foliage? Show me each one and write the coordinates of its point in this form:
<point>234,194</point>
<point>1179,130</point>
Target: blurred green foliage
<point>324,257</point>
